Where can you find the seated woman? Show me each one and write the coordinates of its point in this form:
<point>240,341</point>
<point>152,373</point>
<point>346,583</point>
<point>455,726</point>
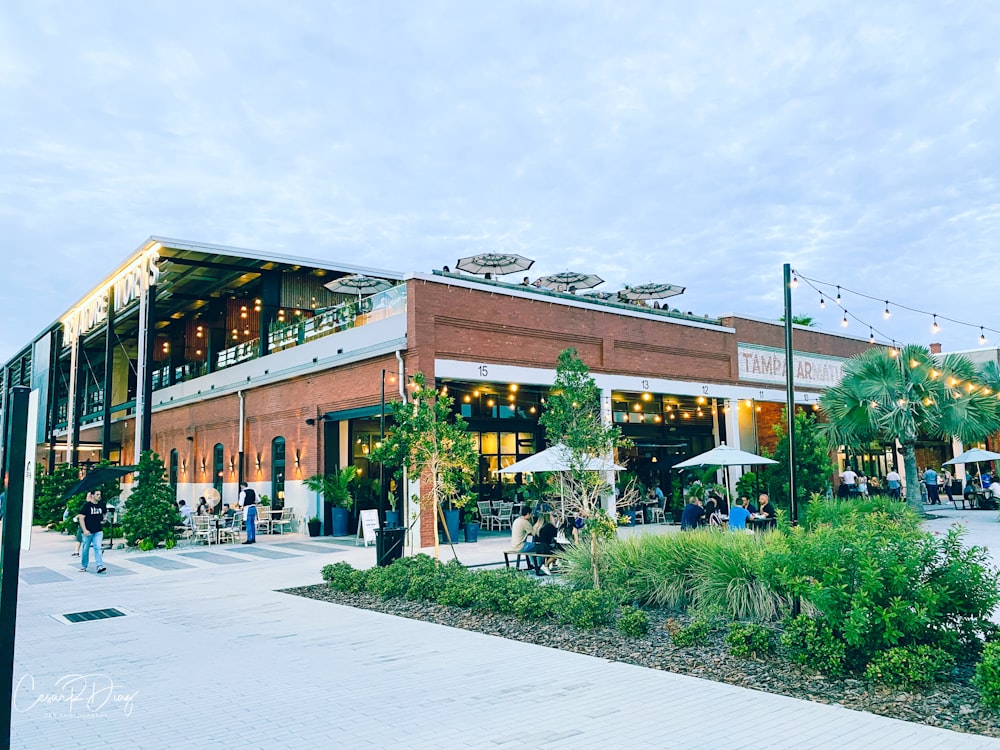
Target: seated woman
<point>203,509</point>
<point>545,537</point>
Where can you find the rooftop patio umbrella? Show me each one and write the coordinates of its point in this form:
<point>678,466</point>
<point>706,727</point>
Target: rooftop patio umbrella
<point>495,263</point>
<point>598,295</point>
<point>650,291</point>
<point>974,456</point>
<point>358,284</point>
<point>568,280</point>
<point>725,456</point>
<point>96,478</point>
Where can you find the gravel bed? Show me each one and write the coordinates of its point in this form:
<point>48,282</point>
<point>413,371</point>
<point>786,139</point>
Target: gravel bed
<point>953,705</point>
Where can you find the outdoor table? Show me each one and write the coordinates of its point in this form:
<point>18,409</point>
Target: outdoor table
<point>761,524</point>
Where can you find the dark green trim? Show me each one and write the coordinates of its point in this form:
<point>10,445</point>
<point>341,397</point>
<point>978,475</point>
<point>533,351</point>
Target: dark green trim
<point>364,411</point>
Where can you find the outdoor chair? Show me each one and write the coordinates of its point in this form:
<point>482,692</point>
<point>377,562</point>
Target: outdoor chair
<point>286,519</point>
<point>486,515</point>
<point>656,513</point>
<point>203,529</point>
<point>231,531</point>
<point>506,515</point>
<point>263,520</point>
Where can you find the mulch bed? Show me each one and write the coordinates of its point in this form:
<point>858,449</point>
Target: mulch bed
<point>952,705</point>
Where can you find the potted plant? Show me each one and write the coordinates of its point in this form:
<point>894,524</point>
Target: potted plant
<point>335,489</point>
<point>392,515</point>
<point>314,526</point>
<point>472,524</point>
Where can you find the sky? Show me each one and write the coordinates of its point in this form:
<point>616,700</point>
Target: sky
<point>701,144</point>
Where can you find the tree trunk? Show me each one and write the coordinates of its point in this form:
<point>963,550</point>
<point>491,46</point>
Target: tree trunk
<point>593,560</point>
<point>912,479</point>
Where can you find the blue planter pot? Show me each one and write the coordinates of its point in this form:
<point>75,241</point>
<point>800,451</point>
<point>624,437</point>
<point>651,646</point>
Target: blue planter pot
<point>471,531</point>
<point>631,517</point>
<point>339,521</point>
<point>391,519</point>
<point>451,518</point>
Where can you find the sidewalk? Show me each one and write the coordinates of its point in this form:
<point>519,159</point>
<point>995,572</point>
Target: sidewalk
<point>209,656</point>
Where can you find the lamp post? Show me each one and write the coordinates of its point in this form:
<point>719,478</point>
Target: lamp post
<point>381,439</point>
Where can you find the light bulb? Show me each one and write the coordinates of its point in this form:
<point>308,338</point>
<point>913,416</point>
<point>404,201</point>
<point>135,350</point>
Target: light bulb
<point>844,321</point>
<point>934,326</point>
<point>838,295</point>
<point>871,336</point>
<point>822,303</point>
<point>795,281</point>
<point>982,337</point>
<point>885,313</point>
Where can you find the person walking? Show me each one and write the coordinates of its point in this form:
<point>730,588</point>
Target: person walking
<point>91,519</point>
<point>930,480</point>
<point>250,516</point>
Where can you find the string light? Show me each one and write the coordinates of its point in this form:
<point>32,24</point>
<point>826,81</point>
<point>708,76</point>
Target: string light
<point>982,337</point>
<point>822,303</point>
<point>871,335</point>
<point>838,295</point>
<point>844,321</point>
<point>795,281</point>
<point>934,326</point>
<point>885,313</point>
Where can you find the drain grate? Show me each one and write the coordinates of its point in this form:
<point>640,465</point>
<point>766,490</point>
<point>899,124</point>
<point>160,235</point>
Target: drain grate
<point>94,614</point>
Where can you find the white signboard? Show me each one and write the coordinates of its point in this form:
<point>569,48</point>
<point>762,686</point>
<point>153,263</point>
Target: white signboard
<point>367,524</point>
<point>765,364</point>
<point>30,445</point>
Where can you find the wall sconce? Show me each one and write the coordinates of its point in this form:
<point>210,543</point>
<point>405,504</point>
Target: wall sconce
<point>184,465</point>
<point>232,465</point>
<point>298,458</point>
<point>202,464</point>
<point>257,462</point>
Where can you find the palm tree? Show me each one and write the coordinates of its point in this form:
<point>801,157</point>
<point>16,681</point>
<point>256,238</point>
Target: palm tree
<point>892,395</point>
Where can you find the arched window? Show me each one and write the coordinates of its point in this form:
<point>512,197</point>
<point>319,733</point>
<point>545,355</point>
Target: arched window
<point>218,458</point>
<point>278,473</point>
<point>173,471</point>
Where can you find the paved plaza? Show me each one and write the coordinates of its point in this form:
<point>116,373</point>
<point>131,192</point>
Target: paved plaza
<point>209,655</point>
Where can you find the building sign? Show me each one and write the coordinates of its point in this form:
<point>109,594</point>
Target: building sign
<point>767,365</point>
<point>129,285</point>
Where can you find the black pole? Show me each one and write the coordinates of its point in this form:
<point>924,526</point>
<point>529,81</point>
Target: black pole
<point>10,552</point>
<point>381,439</point>
<point>790,395</point>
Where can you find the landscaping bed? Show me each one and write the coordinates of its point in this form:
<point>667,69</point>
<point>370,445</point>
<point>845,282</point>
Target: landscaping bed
<point>954,704</point>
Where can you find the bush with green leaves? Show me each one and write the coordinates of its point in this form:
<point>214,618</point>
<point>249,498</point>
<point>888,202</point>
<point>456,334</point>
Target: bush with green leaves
<point>879,584</point>
<point>987,677</point>
<point>498,590</point>
<point>749,640</point>
<point>342,577</point>
<point>810,642</point>
<point>49,505</point>
<point>821,511</point>
<point>541,603</point>
<point>150,513</point>
<point>587,609</point>
<point>910,666</point>
<point>693,634</point>
<point>633,622</point>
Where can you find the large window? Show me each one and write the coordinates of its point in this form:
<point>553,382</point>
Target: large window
<point>218,459</point>
<point>278,473</point>
<point>173,471</point>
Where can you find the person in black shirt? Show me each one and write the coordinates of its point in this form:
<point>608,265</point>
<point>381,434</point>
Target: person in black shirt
<point>92,525</point>
<point>692,515</point>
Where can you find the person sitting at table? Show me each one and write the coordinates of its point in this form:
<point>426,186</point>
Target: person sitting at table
<point>748,504</point>
<point>692,514</point>
<point>738,515</point>
<point>545,538</point>
<point>186,513</point>
<point>227,512</point>
<point>203,509</point>
<point>711,508</point>
<point>994,490</point>
<point>522,539</point>
<point>766,509</point>
<point>715,520</point>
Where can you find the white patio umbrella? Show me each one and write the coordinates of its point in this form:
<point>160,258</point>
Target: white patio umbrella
<point>650,291</point>
<point>357,284</point>
<point>974,456</point>
<point>557,458</point>
<point>725,456</point>
<point>568,281</point>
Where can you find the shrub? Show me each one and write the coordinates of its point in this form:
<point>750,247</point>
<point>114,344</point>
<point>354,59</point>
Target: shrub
<point>543,603</point>
<point>821,511</point>
<point>910,666</point>
<point>588,608</point>
<point>692,635</point>
<point>170,544</point>
<point>987,677</point>
<point>749,640</point>
<point>146,544</point>
<point>342,577</point>
<point>810,641</point>
<point>497,590</point>
<point>633,622</point>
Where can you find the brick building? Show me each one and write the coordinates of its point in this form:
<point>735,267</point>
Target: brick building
<point>236,365</point>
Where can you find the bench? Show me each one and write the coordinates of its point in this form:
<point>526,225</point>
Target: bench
<point>547,558</point>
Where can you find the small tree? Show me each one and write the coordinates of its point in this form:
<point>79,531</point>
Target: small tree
<point>572,417</point>
<point>813,466</point>
<point>49,489</point>
<point>429,440</point>
<point>150,513</point>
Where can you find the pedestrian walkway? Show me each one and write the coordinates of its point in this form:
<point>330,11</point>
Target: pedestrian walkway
<point>210,656</point>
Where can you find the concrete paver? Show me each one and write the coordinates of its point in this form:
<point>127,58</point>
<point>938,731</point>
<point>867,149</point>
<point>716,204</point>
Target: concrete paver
<point>210,655</point>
